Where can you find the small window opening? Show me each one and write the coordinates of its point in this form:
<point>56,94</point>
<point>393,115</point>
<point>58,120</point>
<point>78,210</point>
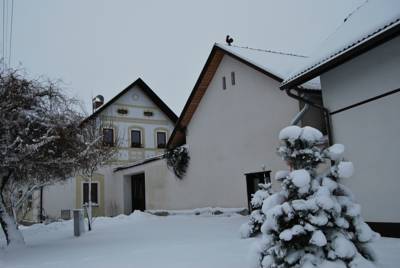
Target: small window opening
<point>108,136</point>
<point>136,139</point>
<point>223,82</point>
<point>94,193</point>
<point>233,80</point>
<point>161,139</point>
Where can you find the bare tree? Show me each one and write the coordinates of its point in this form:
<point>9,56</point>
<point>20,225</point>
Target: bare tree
<point>41,142</point>
<point>97,153</point>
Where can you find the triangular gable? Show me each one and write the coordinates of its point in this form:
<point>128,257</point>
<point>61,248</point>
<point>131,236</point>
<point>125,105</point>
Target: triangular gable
<point>178,136</point>
<point>147,91</point>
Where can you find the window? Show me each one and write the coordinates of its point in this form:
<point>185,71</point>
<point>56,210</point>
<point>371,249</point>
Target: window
<point>136,138</point>
<point>223,82</point>
<point>108,136</point>
<point>94,195</point>
<point>233,80</point>
<point>161,139</point>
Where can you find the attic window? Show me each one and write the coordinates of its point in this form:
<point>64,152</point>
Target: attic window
<point>148,113</point>
<point>224,82</point>
<point>122,111</point>
<point>233,80</point>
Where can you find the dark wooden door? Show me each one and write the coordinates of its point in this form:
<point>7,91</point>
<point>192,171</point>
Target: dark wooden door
<point>252,182</point>
<point>138,192</point>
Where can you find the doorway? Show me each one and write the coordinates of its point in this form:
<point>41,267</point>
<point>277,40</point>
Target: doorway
<point>138,192</point>
<point>253,180</point>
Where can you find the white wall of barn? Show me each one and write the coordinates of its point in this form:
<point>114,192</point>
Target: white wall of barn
<point>370,132</point>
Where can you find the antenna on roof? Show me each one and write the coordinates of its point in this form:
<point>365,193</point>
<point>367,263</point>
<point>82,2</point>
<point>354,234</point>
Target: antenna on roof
<point>229,40</point>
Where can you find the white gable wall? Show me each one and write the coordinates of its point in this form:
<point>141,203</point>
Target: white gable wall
<point>371,131</point>
<point>235,131</point>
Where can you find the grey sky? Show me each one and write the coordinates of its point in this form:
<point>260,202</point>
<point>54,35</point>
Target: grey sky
<point>99,47</point>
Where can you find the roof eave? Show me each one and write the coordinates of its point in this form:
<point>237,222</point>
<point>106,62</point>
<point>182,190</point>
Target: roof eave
<point>344,57</point>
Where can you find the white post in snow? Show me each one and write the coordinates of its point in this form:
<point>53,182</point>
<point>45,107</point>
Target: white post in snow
<point>89,211</point>
<point>79,225</point>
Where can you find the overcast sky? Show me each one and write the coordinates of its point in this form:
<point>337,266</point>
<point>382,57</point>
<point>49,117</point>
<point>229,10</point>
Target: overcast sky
<point>100,47</point>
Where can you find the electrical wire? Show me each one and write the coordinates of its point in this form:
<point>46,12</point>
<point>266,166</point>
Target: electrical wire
<point>4,22</point>
<point>11,30</point>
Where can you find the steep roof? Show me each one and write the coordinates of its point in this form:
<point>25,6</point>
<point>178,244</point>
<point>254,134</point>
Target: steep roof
<point>149,93</point>
<point>273,64</point>
<point>371,24</point>
<point>279,64</point>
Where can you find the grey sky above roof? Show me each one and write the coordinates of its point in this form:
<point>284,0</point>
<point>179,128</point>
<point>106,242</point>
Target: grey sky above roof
<point>99,47</point>
<point>371,18</point>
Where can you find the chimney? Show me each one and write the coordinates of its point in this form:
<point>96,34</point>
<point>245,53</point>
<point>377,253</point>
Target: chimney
<point>97,102</point>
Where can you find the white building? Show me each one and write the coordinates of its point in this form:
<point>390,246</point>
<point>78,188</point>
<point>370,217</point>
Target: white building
<point>141,123</point>
<point>230,125</point>
<point>359,67</point>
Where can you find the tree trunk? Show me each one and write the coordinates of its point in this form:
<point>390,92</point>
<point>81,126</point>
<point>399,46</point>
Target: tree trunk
<point>13,236</point>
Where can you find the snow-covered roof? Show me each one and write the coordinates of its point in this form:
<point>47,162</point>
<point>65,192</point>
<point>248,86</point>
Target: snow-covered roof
<point>371,19</point>
<point>279,64</point>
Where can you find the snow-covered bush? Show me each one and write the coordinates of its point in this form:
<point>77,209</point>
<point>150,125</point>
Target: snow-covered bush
<point>257,217</point>
<point>313,221</point>
<point>178,160</point>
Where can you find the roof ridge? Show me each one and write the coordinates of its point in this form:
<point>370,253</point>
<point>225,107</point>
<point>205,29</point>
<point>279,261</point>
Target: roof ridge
<point>272,51</point>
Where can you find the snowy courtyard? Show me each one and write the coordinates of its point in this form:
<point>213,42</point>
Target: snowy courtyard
<point>143,240</point>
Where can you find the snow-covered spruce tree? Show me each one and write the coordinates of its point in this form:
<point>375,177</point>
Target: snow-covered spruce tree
<point>313,221</point>
<point>257,217</point>
<point>40,141</point>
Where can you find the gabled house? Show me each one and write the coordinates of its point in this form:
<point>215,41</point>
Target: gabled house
<point>141,123</point>
<point>230,126</point>
<point>359,68</point>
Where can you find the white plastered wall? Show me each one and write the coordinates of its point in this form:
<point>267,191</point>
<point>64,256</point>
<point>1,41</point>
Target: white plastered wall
<point>370,132</point>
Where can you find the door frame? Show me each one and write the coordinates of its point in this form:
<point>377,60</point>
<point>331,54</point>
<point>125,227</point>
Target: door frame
<point>142,177</point>
<point>250,178</point>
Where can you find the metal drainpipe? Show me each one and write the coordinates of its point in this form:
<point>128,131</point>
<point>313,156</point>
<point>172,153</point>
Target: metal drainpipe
<point>298,116</point>
<point>325,111</point>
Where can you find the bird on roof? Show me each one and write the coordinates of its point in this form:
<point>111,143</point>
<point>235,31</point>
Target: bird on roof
<point>229,40</point>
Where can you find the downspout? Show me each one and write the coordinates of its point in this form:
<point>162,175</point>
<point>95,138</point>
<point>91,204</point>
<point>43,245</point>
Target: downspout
<point>323,109</point>
<point>298,116</point>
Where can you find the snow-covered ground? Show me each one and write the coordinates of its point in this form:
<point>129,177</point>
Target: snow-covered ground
<point>143,240</point>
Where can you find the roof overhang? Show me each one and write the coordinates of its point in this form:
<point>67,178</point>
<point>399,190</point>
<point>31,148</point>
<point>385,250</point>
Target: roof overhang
<point>341,57</point>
